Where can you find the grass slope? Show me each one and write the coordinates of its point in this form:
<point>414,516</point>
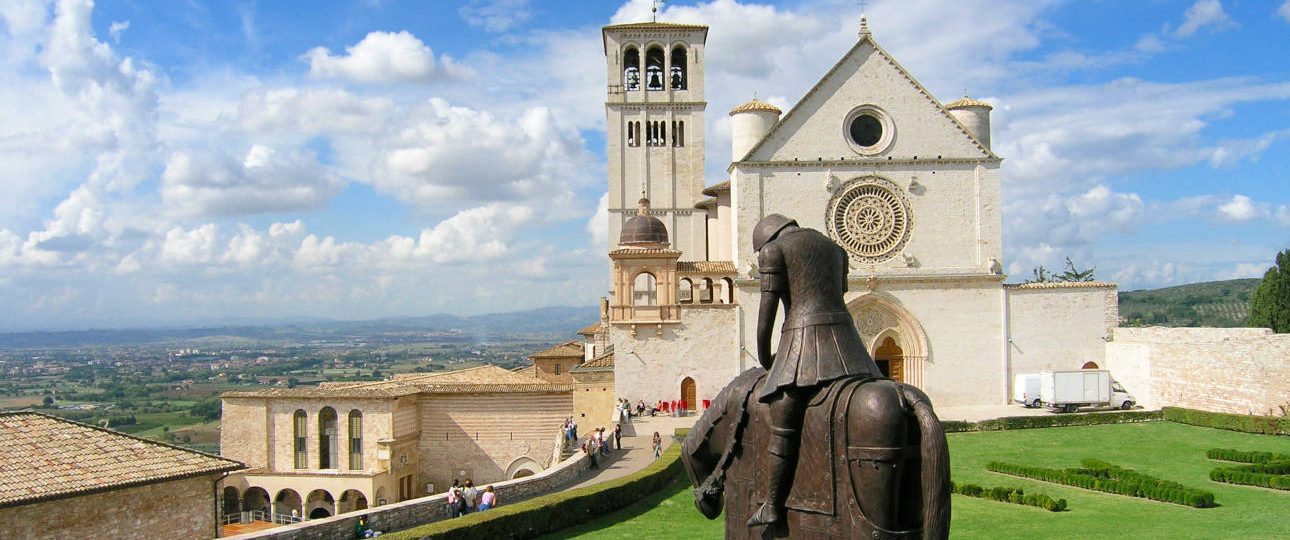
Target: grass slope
<point>1212,303</point>
<point>1164,449</point>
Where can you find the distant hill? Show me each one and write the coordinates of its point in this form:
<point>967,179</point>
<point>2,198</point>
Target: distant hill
<point>1212,303</point>
<point>547,321</point>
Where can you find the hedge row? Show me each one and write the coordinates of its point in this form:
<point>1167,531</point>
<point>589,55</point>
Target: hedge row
<point>1014,495</point>
<point>556,511</point>
<point>1273,474</point>
<point>1032,422</point>
<point>1266,425</point>
<point>1101,476</point>
<point>1244,456</point>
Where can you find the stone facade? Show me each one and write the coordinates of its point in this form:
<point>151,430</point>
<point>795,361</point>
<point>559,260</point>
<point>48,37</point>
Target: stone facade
<point>1232,370</point>
<point>179,509</point>
<point>594,395</point>
<point>926,283</point>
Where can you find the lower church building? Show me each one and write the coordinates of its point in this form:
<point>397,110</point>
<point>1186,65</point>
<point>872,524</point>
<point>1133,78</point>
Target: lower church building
<point>339,447</point>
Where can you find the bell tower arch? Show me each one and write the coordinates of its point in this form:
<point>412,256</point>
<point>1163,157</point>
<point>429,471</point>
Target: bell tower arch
<point>654,127</point>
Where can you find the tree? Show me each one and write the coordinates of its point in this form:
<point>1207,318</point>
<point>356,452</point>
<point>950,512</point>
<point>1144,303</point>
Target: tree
<point>1270,304</point>
<point>48,401</point>
<point>1071,273</point>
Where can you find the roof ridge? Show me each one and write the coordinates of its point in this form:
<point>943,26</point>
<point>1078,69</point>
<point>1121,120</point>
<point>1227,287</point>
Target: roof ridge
<point>127,435</point>
<point>867,38</point>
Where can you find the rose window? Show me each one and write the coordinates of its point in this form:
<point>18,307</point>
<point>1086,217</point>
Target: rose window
<point>870,219</point>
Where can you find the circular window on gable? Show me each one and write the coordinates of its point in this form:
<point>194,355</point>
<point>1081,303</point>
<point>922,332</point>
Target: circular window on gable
<point>868,130</point>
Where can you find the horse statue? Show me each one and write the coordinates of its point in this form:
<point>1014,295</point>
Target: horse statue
<point>874,462</point>
<point>819,444</point>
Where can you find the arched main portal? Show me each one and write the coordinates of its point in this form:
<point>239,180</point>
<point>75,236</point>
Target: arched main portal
<point>892,335</point>
<point>890,358</point>
<point>689,393</point>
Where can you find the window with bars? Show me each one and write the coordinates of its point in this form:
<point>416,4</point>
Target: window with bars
<point>355,440</point>
<point>301,442</point>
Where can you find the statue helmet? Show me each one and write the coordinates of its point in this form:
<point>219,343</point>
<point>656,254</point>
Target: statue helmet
<point>768,228</point>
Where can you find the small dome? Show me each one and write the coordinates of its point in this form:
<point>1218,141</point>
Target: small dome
<point>755,105</point>
<point>643,229</point>
<point>965,102</point>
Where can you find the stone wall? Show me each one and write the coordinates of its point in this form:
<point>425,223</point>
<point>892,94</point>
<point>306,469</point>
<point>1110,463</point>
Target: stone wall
<point>420,511</point>
<point>703,347</point>
<point>1231,370</point>
<point>479,437</point>
<point>593,398</point>
<point>178,509</point>
<point>1059,326</point>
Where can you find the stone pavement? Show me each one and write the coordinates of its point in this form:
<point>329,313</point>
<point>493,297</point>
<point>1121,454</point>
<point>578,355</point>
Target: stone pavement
<point>638,450</point>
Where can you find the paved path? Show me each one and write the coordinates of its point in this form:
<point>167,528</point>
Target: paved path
<point>638,449</point>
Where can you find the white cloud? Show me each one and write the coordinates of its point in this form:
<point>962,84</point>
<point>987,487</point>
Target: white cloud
<point>495,15</point>
<point>1241,208</point>
<point>383,57</point>
<point>598,225</point>
<point>1243,270</point>
<point>187,247</point>
<point>202,183</point>
<point>116,29</point>
<point>1203,13</point>
<point>1284,10</point>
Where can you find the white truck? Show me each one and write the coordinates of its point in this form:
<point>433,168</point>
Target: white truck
<point>1069,390</point>
<point>1025,390</point>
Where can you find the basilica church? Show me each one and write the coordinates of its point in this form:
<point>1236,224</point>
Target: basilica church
<point>908,185</point>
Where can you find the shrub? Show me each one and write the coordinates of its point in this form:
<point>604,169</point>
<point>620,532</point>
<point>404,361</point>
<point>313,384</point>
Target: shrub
<point>1241,456</point>
<point>1108,478</point>
<point>1267,425</point>
<point>1014,495</point>
<point>556,511</point>
<point>1033,422</point>
<point>1271,474</point>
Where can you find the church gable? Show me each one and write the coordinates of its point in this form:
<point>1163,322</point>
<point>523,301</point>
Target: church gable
<point>903,119</point>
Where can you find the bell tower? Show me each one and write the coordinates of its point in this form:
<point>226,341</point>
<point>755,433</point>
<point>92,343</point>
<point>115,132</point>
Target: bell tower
<point>654,114</point>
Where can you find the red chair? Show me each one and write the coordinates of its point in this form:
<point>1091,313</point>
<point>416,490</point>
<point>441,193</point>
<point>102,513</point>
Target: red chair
<point>707,403</point>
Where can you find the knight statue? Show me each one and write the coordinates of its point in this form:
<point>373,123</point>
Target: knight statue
<point>807,272</point>
<point>877,465</point>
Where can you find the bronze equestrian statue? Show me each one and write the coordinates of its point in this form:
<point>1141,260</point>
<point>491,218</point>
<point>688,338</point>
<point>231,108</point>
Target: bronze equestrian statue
<point>875,463</point>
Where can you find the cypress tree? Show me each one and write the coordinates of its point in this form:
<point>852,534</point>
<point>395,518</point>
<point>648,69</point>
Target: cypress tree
<point>1270,304</point>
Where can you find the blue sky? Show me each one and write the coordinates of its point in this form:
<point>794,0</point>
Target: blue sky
<point>187,162</point>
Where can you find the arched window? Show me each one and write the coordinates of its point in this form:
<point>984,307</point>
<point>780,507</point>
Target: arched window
<point>355,440</point>
<point>678,134</point>
<point>654,68</point>
<point>301,443</point>
<point>662,134</point>
<point>645,290</point>
<point>705,291</point>
<point>327,439</point>
<point>728,292</point>
<point>631,134</point>
<point>685,291</point>
<point>637,132</point>
<point>632,69</point>
<point>678,68</point>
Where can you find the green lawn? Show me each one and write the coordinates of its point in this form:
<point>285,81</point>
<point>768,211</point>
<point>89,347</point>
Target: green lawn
<point>1163,449</point>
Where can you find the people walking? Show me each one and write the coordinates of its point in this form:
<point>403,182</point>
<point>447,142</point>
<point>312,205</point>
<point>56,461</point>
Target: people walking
<point>618,436</point>
<point>658,445</point>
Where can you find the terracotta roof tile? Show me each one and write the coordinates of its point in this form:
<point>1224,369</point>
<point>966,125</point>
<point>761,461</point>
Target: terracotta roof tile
<point>967,102</point>
<point>482,379</point>
<point>654,26</point>
<point>604,361</point>
<point>563,350</point>
<point>755,105</point>
<point>46,457</point>
<point>1060,285</point>
<point>705,267</point>
<point>592,329</point>
<point>714,189</point>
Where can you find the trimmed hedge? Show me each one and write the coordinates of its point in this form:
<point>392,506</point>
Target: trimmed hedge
<point>1266,425</point>
<point>1243,456</point>
<point>1014,495</point>
<point>1102,476</point>
<point>556,511</point>
<point>1272,474</point>
<point>1034,422</point>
